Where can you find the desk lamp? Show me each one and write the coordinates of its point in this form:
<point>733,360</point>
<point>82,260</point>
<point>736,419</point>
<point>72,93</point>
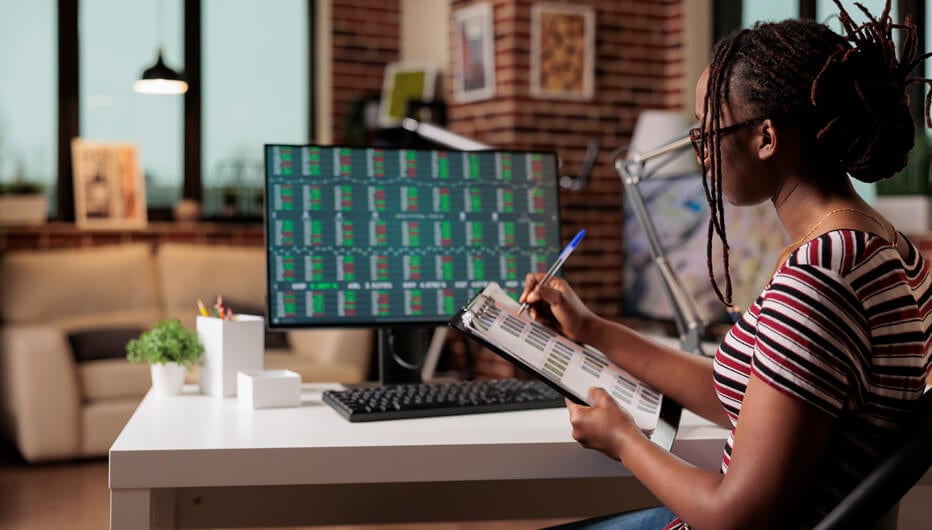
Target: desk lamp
<point>645,160</point>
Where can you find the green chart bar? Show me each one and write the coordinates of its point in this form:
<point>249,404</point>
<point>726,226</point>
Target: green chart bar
<point>345,162</point>
<point>286,195</point>
<point>286,161</point>
<point>445,267</point>
<point>473,200</point>
<point>506,234</point>
<point>472,170</point>
<point>286,233</point>
<point>441,165</point>
<point>474,233</point>
<point>288,273</point>
<point>289,304</point>
<point>347,302</point>
<point>345,234</point>
<point>315,198</point>
<point>346,268</point>
<point>476,268</point>
<point>412,267</point>
<point>346,198</point>
<point>312,162</point>
<point>447,302</point>
<point>317,268</point>
<point>317,232</point>
<point>442,199</point>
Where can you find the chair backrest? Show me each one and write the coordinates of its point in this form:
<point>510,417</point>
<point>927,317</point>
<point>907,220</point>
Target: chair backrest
<point>882,489</point>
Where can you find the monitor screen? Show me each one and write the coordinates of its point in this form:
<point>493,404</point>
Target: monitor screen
<point>361,236</point>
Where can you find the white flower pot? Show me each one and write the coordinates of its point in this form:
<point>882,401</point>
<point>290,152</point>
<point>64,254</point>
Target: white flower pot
<point>167,379</point>
<point>23,210</point>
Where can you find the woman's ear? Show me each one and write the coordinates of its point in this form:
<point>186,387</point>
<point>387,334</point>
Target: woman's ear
<point>766,140</point>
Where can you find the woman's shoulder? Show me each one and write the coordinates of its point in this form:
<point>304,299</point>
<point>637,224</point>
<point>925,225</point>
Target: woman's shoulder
<point>848,251</point>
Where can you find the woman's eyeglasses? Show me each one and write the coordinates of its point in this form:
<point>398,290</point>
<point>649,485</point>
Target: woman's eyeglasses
<point>698,138</point>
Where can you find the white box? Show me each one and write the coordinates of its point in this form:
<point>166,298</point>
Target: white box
<point>229,347</point>
<point>262,389</point>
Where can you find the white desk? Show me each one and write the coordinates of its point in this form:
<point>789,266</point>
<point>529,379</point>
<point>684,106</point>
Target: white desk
<point>196,461</point>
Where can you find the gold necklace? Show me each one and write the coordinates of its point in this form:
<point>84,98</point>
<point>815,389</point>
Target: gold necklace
<point>795,244</point>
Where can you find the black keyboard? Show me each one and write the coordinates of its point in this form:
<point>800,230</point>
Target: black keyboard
<point>418,400</point>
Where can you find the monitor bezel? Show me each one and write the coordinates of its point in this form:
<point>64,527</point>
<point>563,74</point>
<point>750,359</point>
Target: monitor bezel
<point>440,321</point>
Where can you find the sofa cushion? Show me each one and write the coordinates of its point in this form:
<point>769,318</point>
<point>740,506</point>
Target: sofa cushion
<point>187,272</point>
<point>113,378</point>
<point>102,343</point>
<point>64,287</point>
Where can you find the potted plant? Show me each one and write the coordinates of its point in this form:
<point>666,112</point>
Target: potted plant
<point>170,349</point>
<point>22,203</point>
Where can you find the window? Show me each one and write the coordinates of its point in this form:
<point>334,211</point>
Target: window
<point>28,95</point>
<point>255,91</point>
<point>119,40</point>
<point>753,11</point>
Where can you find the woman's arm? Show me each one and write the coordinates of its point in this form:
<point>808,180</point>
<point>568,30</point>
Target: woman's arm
<point>684,377</point>
<point>778,444</point>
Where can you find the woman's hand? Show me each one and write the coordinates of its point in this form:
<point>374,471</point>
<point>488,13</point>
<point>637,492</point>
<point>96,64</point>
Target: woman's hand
<point>557,305</point>
<point>603,426</point>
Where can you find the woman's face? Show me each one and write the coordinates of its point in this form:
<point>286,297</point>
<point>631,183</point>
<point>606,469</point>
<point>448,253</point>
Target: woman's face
<point>745,179</point>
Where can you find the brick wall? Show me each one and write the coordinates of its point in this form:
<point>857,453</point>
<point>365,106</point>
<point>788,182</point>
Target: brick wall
<point>638,65</point>
<point>366,37</point>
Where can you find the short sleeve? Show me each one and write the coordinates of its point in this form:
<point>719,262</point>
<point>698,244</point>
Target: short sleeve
<point>812,337</point>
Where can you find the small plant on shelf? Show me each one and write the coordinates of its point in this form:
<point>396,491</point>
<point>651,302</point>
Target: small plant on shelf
<point>167,342</point>
<point>20,187</point>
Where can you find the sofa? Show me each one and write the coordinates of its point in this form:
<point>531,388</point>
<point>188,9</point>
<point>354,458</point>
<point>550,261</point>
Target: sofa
<point>66,388</point>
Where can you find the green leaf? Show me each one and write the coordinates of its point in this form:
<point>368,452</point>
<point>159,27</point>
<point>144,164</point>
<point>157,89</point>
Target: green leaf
<point>167,341</point>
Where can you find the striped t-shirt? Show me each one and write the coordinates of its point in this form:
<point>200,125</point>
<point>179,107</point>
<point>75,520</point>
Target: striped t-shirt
<point>845,324</point>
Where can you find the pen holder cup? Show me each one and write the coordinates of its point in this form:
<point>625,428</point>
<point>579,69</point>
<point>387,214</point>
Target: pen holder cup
<point>230,346</point>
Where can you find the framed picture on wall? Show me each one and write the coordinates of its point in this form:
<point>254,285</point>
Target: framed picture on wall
<point>474,53</point>
<point>562,51</point>
<point>404,81</point>
<point>109,191</point>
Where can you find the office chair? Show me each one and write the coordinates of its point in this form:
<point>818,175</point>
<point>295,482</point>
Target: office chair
<point>873,500</point>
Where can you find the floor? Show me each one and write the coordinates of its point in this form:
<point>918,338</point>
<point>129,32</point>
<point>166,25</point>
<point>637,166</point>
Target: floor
<point>75,496</point>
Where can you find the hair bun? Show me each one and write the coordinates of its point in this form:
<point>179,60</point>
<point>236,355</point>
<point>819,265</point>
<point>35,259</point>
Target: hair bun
<point>862,114</point>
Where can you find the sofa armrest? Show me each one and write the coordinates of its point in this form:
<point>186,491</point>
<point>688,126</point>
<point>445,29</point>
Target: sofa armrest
<point>39,391</point>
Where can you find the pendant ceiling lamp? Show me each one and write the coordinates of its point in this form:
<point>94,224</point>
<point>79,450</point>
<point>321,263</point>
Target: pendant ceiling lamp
<point>159,78</point>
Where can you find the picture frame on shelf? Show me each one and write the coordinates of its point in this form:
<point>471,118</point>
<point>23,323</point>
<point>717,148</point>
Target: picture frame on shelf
<point>562,51</point>
<point>109,191</point>
<point>404,81</point>
<point>474,53</point>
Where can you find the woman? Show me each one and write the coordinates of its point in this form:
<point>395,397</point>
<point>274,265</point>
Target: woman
<point>817,376</point>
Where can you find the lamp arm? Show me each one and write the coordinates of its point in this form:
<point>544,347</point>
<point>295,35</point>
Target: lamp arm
<point>689,324</point>
<point>452,140</point>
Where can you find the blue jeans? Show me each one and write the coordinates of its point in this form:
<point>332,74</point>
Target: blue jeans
<point>646,519</point>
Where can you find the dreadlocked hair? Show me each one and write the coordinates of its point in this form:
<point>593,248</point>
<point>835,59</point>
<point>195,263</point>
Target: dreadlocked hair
<point>846,94</point>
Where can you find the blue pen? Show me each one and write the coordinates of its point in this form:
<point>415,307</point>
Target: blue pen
<point>561,259</point>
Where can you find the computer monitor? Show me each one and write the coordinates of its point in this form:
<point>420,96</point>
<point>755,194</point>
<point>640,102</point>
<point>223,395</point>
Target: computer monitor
<point>401,239</point>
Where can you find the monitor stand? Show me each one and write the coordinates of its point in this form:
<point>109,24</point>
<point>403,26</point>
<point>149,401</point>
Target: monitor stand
<point>402,352</point>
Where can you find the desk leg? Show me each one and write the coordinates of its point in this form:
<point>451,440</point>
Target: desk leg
<point>143,509</point>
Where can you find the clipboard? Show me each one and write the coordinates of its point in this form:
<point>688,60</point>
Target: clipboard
<point>570,368</point>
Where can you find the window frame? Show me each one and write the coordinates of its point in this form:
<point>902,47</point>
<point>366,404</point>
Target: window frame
<point>69,118</point>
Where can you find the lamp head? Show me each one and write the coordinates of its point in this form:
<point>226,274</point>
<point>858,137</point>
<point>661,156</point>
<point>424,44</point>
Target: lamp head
<point>160,79</point>
<point>659,141</point>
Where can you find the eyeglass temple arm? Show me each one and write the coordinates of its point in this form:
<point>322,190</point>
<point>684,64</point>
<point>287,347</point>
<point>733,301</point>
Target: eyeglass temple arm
<point>689,324</point>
